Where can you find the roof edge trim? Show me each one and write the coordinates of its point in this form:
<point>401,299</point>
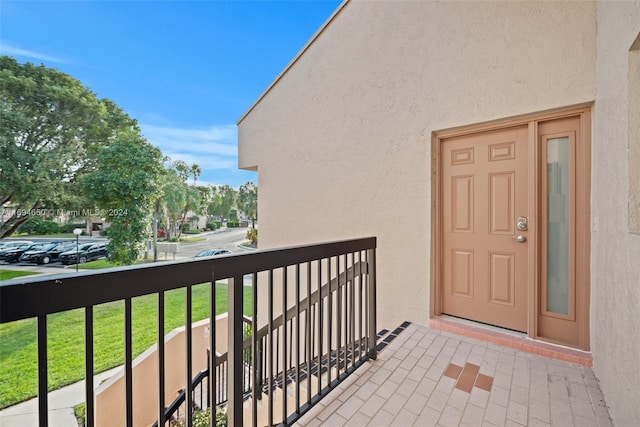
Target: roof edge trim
<point>294,60</point>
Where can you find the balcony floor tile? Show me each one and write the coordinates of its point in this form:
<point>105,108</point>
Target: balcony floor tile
<point>412,383</point>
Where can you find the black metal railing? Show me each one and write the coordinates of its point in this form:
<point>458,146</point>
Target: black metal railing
<point>172,412</point>
<point>199,384</point>
<point>313,322</point>
<point>320,339</point>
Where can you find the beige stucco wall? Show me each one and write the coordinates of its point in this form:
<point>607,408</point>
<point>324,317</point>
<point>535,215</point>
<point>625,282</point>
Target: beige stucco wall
<point>615,262</point>
<point>633,126</point>
<point>110,395</point>
<point>342,141</point>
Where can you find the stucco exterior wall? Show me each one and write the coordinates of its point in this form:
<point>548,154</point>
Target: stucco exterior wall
<point>633,88</point>
<point>615,263</point>
<point>110,395</point>
<point>342,142</point>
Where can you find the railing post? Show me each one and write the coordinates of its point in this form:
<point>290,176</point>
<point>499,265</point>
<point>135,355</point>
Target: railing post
<point>371,272</point>
<point>235,362</point>
<point>43,385</point>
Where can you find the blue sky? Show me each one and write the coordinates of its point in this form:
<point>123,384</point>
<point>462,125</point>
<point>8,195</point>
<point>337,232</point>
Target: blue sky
<point>186,70</point>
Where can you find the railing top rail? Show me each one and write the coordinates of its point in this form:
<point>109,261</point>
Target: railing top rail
<point>28,297</point>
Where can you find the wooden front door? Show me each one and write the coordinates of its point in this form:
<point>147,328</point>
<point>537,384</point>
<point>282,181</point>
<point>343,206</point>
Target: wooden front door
<point>485,235</point>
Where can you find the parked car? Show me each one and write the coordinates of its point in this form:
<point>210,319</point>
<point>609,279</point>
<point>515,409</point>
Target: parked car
<point>84,253</point>
<point>46,254</point>
<point>212,252</point>
<point>12,244</point>
<point>12,255</point>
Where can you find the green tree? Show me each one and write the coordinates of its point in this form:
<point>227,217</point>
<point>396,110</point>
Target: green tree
<point>180,197</point>
<point>223,198</point>
<point>192,195</point>
<point>174,196</point>
<point>125,185</point>
<point>248,201</point>
<point>51,128</point>
<point>191,204</point>
<point>159,209</point>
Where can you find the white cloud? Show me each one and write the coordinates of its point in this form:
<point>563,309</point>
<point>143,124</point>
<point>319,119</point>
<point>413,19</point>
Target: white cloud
<point>6,49</point>
<point>217,140</point>
<point>212,148</point>
<point>212,183</point>
<point>204,161</point>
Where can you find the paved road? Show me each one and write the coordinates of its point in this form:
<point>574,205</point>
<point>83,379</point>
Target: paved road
<point>228,238</point>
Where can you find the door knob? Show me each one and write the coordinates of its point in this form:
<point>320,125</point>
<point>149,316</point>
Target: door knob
<point>520,239</point>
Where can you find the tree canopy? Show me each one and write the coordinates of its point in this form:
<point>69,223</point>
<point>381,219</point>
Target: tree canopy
<point>248,201</point>
<point>51,129</point>
<point>63,149</point>
<point>222,200</point>
<point>125,186</point>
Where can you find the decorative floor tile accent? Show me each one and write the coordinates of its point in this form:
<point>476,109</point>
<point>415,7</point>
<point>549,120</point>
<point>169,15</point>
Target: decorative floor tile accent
<point>397,331</point>
<point>468,377</point>
<point>453,371</point>
<point>484,382</point>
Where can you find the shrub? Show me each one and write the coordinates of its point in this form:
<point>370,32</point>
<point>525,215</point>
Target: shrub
<point>213,225</point>
<point>28,226</point>
<point>36,225</point>
<point>186,227</point>
<point>233,224</point>
<point>252,235</point>
<point>201,418</point>
<point>69,227</point>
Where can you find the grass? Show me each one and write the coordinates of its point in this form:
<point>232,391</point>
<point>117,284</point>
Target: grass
<point>27,236</point>
<point>192,239</point>
<point>96,265</point>
<point>10,274</point>
<point>105,263</point>
<point>65,340</point>
<point>80,412</point>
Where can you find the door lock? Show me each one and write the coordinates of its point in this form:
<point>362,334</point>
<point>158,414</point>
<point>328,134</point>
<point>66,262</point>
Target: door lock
<point>522,223</point>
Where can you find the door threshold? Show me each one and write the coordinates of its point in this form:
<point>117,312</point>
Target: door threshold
<point>510,339</point>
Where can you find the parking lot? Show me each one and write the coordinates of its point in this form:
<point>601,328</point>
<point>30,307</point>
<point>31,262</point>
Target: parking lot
<point>228,239</point>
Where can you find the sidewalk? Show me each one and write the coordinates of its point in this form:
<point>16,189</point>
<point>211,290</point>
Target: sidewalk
<point>61,403</point>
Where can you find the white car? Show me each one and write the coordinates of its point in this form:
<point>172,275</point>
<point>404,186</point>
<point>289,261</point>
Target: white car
<point>212,252</point>
<point>12,244</point>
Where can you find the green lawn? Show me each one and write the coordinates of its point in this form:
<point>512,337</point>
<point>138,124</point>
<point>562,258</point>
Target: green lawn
<point>192,239</point>
<point>18,357</point>
<point>100,264</point>
<point>105,263</point>
<point>95,265</point>
<point>28,236</point>
<point>10,274</point>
